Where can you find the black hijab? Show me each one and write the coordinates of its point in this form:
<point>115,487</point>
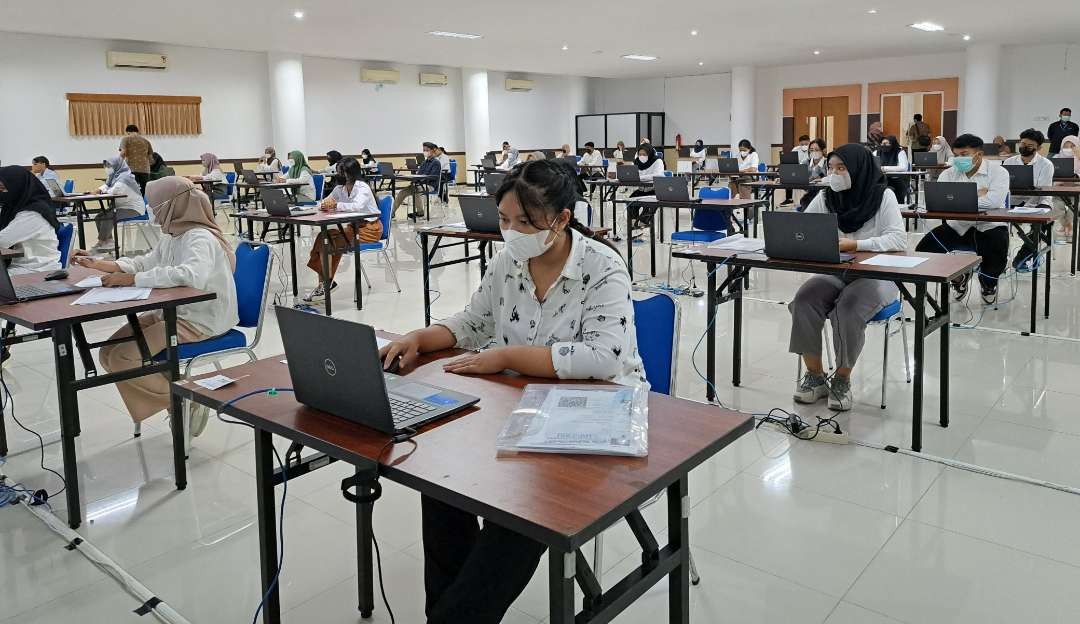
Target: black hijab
<point>652,157</point>
<point>366,157</point>
<point>333,157</point>
<point>24,192</point>
<point>857,205</point>
<point>889,157</point>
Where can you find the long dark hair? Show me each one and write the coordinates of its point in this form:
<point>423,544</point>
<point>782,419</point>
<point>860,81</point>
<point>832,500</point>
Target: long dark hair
<point>544,188</point>
<point>351,168</point>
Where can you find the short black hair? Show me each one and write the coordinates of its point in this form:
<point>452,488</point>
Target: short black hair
<point>969,141</point>
<point>41,160</point>
<point>819,142</point>
<point>590,144</point>
<point>131,128</point>
<point>430,145</point>
<point>1033,135</point>
<point>506,143</point>
<point>918,117</point>
<point>1065,110</point>
<point>804,137</point>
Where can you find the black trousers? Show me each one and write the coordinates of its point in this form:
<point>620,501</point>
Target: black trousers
<point>642,214</point>
<point>471,574</point>
<point>992,245</point>
<point>142,179</point>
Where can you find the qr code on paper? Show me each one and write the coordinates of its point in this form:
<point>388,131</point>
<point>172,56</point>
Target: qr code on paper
<point>573,402</point>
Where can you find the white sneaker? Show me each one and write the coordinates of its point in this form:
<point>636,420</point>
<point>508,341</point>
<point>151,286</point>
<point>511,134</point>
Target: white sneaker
<point>200,414</point>
<point>811,389</point>
<point>840,398</point>
<point>317,294</point>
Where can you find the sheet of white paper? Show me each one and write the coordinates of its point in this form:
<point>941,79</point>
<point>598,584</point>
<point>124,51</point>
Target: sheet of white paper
<point>589,420</point>
<point>215,382</point>
<point>1028,210</point>
<point>738,242</point>
<point>112,295</point>
<point>903,262</point>
<point>460,224</point>
<point>381,342</point>
<point>94,281</point>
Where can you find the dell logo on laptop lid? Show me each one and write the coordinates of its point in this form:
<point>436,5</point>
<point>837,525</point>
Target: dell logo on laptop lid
<point>799,236</point>
<point>330,367</point>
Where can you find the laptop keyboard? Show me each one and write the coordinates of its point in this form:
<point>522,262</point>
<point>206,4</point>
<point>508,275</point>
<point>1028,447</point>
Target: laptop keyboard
<point>25,292</point>
<point>402,410</point>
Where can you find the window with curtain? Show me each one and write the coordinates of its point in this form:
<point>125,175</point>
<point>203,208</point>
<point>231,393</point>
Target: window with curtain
<point>107,114</point>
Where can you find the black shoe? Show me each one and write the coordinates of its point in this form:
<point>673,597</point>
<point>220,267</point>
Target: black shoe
<point>5,355</point>
<point>786,202</point>
<point>415,215</point>
<point>990,294</point>
<point>960,286</point>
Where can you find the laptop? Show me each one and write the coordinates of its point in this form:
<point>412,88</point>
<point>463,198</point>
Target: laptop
<point>1064,168</point>
<point>386,169</point>
<point>29,292</point>
<point>684,152</point>
<point>488,163</point>
<point>571,161</point>
<point>789,158</point>
<point>803,236</point>
<point>924,159</point>
<point>493,181</point>
<point>480,212</point>
<point>960,197</point>
<point>250,178</point>
<point>627,173</point>
<point>335,368</point>
<point>794,174</point>
<point>410,164</point>
<point>54,189</point>
<point>1021,177</point>
<point>727,165</point>
<point>276,204</point>
<point>673,189</point>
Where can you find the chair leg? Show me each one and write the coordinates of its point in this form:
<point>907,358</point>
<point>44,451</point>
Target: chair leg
<point>903,336</point>
<point>138,430</point>
<point>669,264</point>
<point>828,344</point>
<point>393,273</point>
<point>798,368</point>
<point>598,558</point>
<point>885,365</point>
<point>363,272</point>
<point>695,578</point>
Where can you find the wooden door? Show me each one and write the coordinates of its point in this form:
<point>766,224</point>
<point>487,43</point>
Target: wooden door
<point>890,116</point>
<point>932,112</point>
<point>834,115</point>
<point>807,114</point>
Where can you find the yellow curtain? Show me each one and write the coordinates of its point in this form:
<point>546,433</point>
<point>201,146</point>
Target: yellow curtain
<point>107,114</point>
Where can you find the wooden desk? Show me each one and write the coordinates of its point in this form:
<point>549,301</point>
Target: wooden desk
<point>415,179</point>
<point>251,191</point>
<point>1041,238</point>
<point>1068,189</point>
<point>562,501</point>
<point>612,187</point>
<point>939,269</point>
<point>78,202</point>
<point>323,221</point>
<point>56,318</point>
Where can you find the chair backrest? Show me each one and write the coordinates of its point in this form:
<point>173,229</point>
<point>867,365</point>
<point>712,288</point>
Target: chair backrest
<point>69,186</point>
<point>318,180</point>
<point>386,212</point>
<point>761,167</point>
<point>711,220</point>
<point>64,236</point>
<point>284,169</point>
<point>230,180</point>
<point>656,321</point>
<point>252,277</point>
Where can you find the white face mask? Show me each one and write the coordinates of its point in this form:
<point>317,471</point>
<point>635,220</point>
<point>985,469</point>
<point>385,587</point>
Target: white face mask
<point>815,155</point>
<point>1065,152</point>
<point>744,153</point>
<point>522,247</point>
<point>643,158</point>
<point>936,147</point>
<point>840,182</point>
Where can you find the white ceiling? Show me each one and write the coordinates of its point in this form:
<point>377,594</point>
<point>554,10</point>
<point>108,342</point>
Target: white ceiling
<point>527,36</point>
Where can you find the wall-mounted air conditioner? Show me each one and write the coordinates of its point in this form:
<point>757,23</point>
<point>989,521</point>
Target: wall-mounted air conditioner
<point>433,79</point>
<point>518,85</point>
<point>135,60</point>
<point>379,75</point>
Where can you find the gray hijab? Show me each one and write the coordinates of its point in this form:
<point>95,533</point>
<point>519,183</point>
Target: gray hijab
<point>121,173</point>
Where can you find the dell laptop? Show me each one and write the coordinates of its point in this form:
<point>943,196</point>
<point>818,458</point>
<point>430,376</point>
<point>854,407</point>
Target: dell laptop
<point>1064,168</point>
<point>54,189</point>
<point>727,165</point>
<point>488,163</point>
<point>673,189</point>
<point>410,164</point>
<point>789,158</point>
<point>627,173</point>
<point>959,197</point>
<point>803,236</point>
<point>29,292</point>
<point>250,178</point>
<point>277,205</point>
<point>480,212</point>
<point>386,169</point>
<point>925,159</point>
<point>991,149</point>
<point>493,181</point>
<point>335,368</point>
<point>794,174</point>
<point>1021,177</point>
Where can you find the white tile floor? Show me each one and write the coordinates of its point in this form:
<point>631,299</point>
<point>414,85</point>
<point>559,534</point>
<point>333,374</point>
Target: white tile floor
<point>782,530</point>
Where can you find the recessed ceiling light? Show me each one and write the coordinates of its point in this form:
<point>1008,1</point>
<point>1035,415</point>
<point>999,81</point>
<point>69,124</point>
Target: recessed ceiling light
<point>443,33</point>
<point>701,63</point>
<point>298,14</point>
<point>565,47</point>
<point>967,37</point>
<point>639,57</point>
<point>872,11</point>
<point>693,33</point>
<point>927,26</point>
<point>817,52</point>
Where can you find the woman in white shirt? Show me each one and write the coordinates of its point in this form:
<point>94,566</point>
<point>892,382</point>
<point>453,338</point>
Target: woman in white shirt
<point>554,303</point>
<point>330,171</point>
<point>300,171</point>
<point>894,158</point>
<point>819,168</point>
<point>620,154</point>
<point>367,161</point>
<point>350,195</point>
<point>211,172</point>
<point>193,252</point>
<point>649,166</point>
<point>869,219</point>
<point>269,163</point>
<point>27,222</point>
<point>748,160</point>
<point>118,181</point>
<point>941,147</point>
<point>697,154</point>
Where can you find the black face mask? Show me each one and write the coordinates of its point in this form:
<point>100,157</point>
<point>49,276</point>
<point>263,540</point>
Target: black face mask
<point>1027,151</point>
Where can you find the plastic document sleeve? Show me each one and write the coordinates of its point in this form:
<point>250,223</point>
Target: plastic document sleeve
<point>579,419</point>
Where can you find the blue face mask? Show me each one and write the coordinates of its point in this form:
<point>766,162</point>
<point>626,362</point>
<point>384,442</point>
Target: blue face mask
<point>963,164</point>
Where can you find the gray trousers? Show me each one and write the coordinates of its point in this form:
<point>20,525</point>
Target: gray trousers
<point>848,303</point>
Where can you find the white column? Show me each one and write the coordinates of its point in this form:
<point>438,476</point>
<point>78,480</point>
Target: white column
<point>287,112</point>
<point>474,95</point>
<point>742,108</point>
<point>979,106</point>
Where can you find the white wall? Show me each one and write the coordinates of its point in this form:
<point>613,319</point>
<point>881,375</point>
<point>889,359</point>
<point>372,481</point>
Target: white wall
<point>541,118</point>
<point>698,107</point>
<point>348,115</point>
<point>36,71</point>
<point>609,95</point>
<point>1036,82</point>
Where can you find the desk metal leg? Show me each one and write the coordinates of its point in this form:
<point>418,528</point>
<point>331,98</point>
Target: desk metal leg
<point>710,339</point>
<point>79,218</point>
<point>292,260</point>
<point>425,261</point>
<point>1035,286</point>
<point>365,587</point>
<point>736,289</point>
<point>357,283</point>
<point>69,416</point>
<point>268,547</point>
<point>326,278</point>
<point>920,350</point>
<point>652,245</point>
<point>629,240</point>
<point>176,404</point>
<point>561,568</point>
<point>1049,228</point>
<point>943,336</point>
<point>678,508</point>
<point>1075,230</point>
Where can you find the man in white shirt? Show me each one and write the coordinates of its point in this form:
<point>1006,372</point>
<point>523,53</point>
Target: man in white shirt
<point>803,151</point>
<point>1043,175</point>
<point>40,168</point>
<point>988,239</point>
<point>508,158</point>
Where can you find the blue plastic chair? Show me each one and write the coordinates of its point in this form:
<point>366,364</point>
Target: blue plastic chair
<point>284,169</point>
<point>319,181</point>
<point>140,223</point>
<point>708,225</point>
<point>386,205</point>
<point>64,238</point>
<point>69,186</point>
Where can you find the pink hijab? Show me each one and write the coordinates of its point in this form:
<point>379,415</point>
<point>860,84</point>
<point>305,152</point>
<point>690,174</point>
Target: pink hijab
<point>209,162</point>
<point>1076,151</point>
<point>179,206</point>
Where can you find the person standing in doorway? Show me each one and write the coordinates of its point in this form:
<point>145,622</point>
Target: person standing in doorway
<point>919,134</point>
<point>1060,129</point>
<point>137,151</point>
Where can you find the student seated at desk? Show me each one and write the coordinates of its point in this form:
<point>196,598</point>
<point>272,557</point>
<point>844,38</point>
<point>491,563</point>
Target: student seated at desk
<point>941,147</point>
<point>1070,146</point>
<point>649,166</point>
<point>159,168</point>
<point>300,171</point>
<point>537,155</point>
<point>350,195</point>
<point>1043,174</point>
<point>554,303</point>
<point>893,157</point>
<point>987,238</point>
<point>1003,146</point>
<point>330,171</point>
<point>620,154</point>
<point>749,161</point>
<point>591,158</point>
<point>40,168</point>
<point>367,161</point>
<point>269,162</point>
<point>430,167</point>
<point>508,157</point>
<point>211,172</point>
<point>564,151</point>
<point>192,252</point>
<point>803,152</point>
<point>118,181</point>
<point>697,155</point>
<point>819,168</point>
<point>870,220</point>
<point>27,222</point>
